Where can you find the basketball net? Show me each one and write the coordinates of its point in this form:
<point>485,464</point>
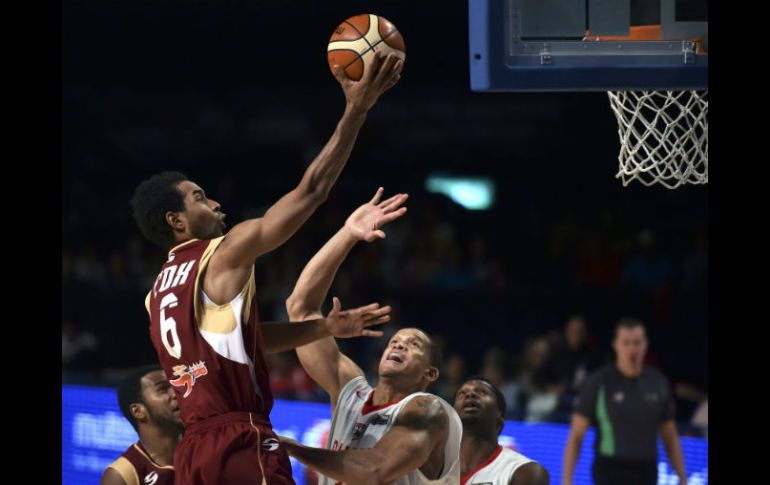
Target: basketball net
<point>664,135</point>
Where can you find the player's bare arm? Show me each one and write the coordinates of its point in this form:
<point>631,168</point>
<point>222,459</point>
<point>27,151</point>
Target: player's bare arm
<point>416,441</point>
<point>282,336</point>
<point>230,266</point>
<point>322,359</point>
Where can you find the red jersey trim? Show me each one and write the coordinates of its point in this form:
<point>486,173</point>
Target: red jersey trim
<point>175,248</point>
<point>482,465</point>
<point>368,408</point>
<point>138,446</point>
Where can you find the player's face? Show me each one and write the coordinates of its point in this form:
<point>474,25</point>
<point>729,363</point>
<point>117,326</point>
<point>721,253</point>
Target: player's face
<point>406,353</point>
<point>631,345</point>
<point>475,401</point>
<point>204,217</point>
<point>160,401</point>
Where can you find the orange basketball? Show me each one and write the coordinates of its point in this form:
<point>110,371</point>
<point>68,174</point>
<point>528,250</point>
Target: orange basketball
<point>354,42</point>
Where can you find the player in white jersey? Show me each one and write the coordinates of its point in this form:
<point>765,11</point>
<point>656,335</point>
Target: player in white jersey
<point>393,433</point>
<point>481,407</point>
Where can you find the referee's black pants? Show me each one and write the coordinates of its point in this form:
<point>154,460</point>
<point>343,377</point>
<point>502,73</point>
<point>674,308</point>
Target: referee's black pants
<point>611,471</point>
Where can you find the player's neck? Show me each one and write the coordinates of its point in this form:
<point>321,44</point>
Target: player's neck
<point>160,445</point>
<point>181,240</point>
<point>474,450</point>
<point>388,391</point>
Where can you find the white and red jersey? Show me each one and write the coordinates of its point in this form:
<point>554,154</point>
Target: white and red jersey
<point>358,424</point>
<point>498,469</point>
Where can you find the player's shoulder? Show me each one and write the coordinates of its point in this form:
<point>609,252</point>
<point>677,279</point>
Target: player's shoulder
<point>355,390</point>
<point>531,473</point>
<point>424,410</point>
<point>425,399</point>
<point>124,470</point>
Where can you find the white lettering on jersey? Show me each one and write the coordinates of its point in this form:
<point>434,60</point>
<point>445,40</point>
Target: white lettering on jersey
<point>172,276</point>
<point>168,326</point>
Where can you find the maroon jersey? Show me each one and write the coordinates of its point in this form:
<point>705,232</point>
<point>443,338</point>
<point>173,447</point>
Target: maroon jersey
<point>137,468</point>
<point>212,354</point>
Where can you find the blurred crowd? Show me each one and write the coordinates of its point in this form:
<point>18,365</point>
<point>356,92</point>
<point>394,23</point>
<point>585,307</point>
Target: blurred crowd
<point>525,293</point>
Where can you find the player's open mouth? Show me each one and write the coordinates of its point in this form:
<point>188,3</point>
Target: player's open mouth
<point>471,405</point>
<point>395,357</point>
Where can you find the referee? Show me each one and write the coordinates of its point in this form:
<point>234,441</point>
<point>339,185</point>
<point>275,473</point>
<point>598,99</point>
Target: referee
<point>629,404</point>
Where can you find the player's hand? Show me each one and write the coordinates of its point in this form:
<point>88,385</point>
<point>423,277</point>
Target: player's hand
<point>285,440</point>
<point>365,222</point>
<point>379,75</point>
<point>356,322</point>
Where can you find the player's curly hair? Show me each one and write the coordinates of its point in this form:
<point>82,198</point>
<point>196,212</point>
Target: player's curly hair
<point>130,391</point>
<point>152,199</point>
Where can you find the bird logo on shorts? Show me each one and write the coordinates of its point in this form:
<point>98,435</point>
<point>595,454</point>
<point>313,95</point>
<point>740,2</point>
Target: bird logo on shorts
<point>187,375</point>
<point>270,444</point>
<point>151,478</point>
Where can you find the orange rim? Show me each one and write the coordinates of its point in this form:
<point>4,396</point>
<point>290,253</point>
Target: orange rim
<point>640,32</point>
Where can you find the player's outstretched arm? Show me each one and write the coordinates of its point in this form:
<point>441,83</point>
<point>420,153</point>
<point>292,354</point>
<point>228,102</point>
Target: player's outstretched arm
<point>282,336</point>
<point>422,425</point>
<point>231,264</point>
<point>322,359</point>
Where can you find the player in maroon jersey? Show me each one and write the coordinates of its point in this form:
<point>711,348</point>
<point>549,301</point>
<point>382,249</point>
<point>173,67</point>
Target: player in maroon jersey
<point>203,313</point>
<point>148,402</point>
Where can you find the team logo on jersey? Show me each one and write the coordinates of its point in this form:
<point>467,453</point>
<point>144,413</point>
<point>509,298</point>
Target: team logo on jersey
<point>651,397</point>
<point>270,444</point>
<point>379,419</point>
<point>358,430</point>
<point>618,396</point>
<point>187,375</point>
<point>150,478</point>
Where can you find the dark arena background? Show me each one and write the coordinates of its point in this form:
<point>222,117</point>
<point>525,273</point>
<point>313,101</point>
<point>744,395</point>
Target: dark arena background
<point>516,223</point>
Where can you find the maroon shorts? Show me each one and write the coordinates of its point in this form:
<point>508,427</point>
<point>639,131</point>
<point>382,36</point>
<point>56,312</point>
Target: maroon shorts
<point>231,449</point>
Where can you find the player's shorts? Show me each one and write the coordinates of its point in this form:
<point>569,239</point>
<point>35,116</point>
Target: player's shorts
<point>231,449</point>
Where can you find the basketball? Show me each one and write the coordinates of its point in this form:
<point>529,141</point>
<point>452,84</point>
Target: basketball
<point>354,42</point>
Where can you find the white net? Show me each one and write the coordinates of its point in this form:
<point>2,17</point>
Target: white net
<point>664,136</point>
